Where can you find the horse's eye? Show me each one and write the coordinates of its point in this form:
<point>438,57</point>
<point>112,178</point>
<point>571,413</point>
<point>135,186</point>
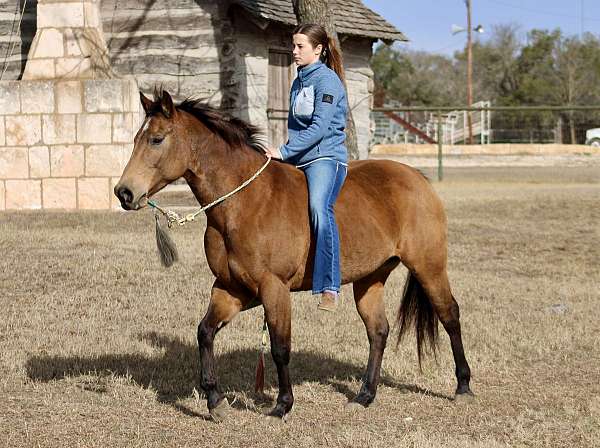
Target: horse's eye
<point>156,140</point>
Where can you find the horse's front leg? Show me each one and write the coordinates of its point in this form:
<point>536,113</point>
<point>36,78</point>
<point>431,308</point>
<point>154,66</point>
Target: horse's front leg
<point>278,312</point>
<point>222,308</point>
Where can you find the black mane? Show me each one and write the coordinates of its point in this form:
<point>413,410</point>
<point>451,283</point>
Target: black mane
<point>235,131</point>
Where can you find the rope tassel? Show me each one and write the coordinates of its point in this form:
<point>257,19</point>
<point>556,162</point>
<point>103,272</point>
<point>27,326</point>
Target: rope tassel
<point>259,384</point>
<point>166,247</point>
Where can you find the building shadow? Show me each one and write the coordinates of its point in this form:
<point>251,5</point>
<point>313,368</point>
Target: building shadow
<point>175,374</point>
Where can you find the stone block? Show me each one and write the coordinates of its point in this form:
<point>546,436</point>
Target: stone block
<point>14,163</point>
<point>37,97</point>
<point>66,161</point>
<point>59,193</point>
<point>105,160</point>
<point>39,69</point>
<point>103,95</point>
<point>91,14</point>
<point>23,130</point>
<point>58,128</point>
<point>75,67</point>
<point>48,44</point>
<point>23,194</point>
<point>2,195</point>
<point>84,42</point>
<point>123,128</point>
<point>68,97</point>
<point>67,15</point>
<point>94,128</point>
<point>10,98</point>
<point>131,95</point>
<point>39,161</point>
<point>93,193</point>
<point>2,131</point>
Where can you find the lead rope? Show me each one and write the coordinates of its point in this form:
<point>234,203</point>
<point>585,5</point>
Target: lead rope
<point>174,218</point>
<point>168,254</point>
<point>259,384</point>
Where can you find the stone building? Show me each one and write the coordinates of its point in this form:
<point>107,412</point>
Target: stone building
<point>236,52</point>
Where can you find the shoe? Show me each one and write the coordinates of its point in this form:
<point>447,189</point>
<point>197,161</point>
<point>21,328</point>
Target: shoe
<point>329,301</point>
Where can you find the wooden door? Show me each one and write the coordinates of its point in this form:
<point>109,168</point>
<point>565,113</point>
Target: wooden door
<point>279,83</point>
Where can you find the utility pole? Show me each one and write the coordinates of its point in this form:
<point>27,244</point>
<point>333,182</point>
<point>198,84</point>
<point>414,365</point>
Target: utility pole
<point>469,70</point>
<point>582,21</point>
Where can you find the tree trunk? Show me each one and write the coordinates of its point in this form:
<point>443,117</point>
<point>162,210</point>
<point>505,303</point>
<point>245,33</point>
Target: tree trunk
<point>321,13</point>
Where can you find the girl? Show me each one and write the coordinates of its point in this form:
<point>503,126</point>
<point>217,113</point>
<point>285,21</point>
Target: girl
<point>316,122</point>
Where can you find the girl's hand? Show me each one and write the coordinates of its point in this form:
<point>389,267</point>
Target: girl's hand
<point>273,152</point>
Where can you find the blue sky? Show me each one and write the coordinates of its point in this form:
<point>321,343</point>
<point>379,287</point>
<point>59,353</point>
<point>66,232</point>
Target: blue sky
<point>427,22</point>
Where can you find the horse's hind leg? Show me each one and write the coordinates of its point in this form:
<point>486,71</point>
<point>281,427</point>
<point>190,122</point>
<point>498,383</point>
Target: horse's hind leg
<point>368,295</point>
<point>222,308</point>
<point>437,289</point>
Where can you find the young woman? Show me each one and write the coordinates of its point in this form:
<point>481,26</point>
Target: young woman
<point>316,122</point>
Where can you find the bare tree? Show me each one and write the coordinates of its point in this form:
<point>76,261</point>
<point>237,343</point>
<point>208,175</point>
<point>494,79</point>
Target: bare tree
<point>321,13</point>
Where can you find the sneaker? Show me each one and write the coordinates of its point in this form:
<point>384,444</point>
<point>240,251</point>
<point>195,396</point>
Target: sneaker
<point>329,301</point>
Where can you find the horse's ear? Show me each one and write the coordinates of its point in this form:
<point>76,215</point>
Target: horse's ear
<point>146,103</point>
<point>168,109</point>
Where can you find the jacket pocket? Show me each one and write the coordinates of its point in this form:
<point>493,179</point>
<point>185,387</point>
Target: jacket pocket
<point>304,104</point>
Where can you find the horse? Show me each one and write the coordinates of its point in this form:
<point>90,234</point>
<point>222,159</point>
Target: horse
<point>259,246</point>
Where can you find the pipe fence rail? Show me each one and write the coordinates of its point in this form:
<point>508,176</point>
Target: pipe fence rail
<point>449,125</point>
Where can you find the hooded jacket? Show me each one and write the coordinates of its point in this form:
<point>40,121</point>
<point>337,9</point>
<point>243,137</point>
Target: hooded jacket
<point>317,117</point>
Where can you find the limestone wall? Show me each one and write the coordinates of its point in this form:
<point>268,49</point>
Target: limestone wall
<point>64,144</point>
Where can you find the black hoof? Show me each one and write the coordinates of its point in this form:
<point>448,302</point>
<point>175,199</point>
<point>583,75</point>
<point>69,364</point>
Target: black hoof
<point>278,413</point>
<point>220,411</point>
<point>364,399</point>
<point>464,397</point>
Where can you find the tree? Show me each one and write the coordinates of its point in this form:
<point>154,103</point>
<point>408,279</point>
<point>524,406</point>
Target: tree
<point>321,13</point>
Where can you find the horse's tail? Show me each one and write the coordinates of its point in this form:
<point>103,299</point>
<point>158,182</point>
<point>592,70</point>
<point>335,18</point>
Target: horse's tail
<point>417,309</point>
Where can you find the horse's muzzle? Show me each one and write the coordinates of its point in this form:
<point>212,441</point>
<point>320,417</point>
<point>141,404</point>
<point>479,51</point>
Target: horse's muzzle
<point>127,198</point>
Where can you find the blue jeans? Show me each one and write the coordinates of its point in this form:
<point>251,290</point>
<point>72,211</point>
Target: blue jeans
<point>325,179</point>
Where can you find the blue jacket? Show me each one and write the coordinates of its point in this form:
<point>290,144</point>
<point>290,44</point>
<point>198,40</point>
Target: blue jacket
<point>317,116</point>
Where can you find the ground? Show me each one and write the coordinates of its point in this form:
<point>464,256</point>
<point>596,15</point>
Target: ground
<point>97,340</point>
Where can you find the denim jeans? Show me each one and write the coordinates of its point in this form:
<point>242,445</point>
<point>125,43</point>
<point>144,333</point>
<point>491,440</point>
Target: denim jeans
<point>325,179</point>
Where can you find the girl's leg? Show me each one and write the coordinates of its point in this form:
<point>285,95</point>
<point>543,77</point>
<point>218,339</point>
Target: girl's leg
<point>325,179</point>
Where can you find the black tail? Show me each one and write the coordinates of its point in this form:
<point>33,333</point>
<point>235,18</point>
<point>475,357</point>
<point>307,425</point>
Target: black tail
<point>416,309</point>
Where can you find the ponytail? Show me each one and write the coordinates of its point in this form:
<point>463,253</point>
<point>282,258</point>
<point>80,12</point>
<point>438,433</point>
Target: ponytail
<point>333,58</point>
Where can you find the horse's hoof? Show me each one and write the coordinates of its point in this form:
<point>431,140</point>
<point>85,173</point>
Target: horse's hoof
<point>274,419</point>
<point>219,412</point>
<point>353,406</point>
<point>466,398</point>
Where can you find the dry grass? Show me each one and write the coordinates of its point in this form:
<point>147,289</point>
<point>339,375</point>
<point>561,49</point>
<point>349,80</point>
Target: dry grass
<point>97,340</point>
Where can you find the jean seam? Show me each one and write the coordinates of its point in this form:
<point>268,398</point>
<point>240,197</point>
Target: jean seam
<point>329,218</point>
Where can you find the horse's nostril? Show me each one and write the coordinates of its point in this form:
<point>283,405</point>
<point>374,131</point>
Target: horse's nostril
<point>125,195</point>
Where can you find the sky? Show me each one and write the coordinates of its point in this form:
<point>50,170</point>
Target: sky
<point>427,23</point>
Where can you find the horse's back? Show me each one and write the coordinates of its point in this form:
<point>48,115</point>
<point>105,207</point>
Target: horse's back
<point>384,208</point>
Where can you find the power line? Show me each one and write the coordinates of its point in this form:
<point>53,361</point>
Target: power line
<point>541,11</point>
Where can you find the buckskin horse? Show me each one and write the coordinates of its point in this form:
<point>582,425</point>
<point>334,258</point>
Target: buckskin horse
<point>258,242</point>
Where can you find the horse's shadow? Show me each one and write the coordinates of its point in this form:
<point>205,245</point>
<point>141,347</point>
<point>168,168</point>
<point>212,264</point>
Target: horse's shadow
<point>175,375</point>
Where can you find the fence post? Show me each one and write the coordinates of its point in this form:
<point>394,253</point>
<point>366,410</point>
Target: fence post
<point>439,126</point>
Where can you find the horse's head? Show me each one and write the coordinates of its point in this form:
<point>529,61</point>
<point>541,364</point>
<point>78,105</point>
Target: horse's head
<point>159,154</point>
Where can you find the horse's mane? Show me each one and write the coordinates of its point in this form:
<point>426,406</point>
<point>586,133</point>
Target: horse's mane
<point>235,131</point>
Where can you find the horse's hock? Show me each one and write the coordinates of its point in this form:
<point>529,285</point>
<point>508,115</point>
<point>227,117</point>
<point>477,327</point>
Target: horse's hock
<point>66,129</point>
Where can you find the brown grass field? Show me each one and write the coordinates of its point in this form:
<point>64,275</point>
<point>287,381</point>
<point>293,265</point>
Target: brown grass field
<point>98,341</point>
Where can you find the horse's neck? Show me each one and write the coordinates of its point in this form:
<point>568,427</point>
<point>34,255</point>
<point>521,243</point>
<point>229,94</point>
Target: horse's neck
<point>218,171</point>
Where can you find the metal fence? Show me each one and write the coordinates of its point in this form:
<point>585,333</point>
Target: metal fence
<point>488,125</point>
